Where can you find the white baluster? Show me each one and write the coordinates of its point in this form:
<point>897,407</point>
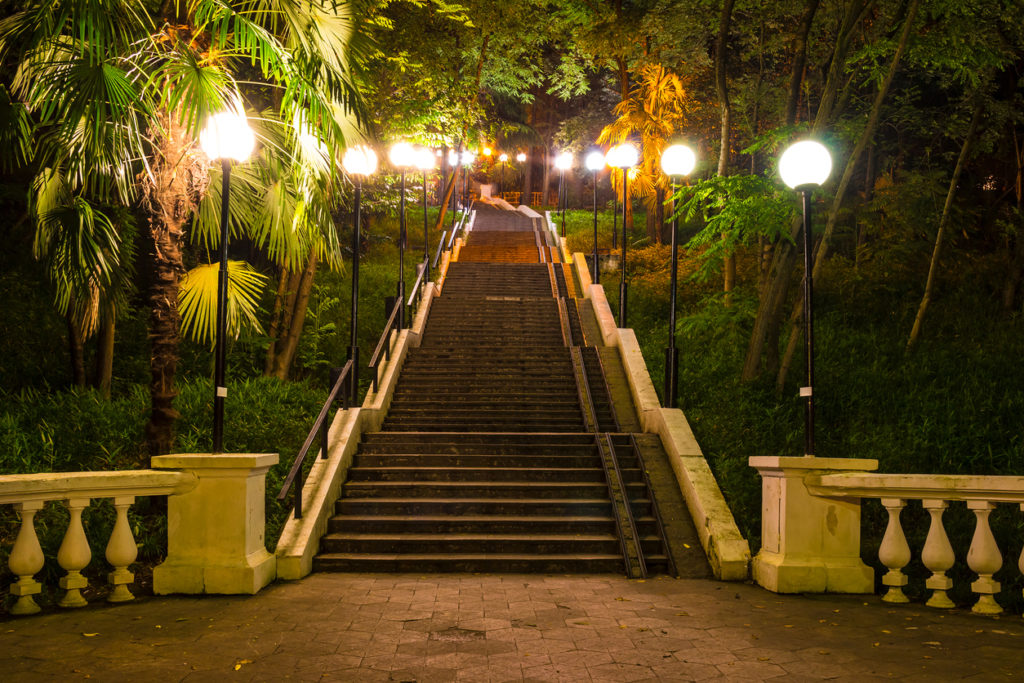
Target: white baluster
<point>1020,560</point>
<point>26,559</point>
<point>74,555</point>
<point>894,552</point>
<point>937,555</point>
<point>984,559</point>
<point>121,552</point>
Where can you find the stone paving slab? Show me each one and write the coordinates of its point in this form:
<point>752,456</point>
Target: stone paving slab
<point>408,627</point>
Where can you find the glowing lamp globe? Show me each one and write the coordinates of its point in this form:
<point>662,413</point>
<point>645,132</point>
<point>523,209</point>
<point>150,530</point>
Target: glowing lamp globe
<point>805,163</point>
<point>503,158</point>
<point>424,159</point>
<point>360,160</point>
<point>402,155</point>
<point>227,136</point>
<point>563,161</point>
<point>594,161</point>
<point>678,160</point>
<point>468,158</point>
<point>521,157</point>
<point>453,158</point>
<point>623,156</point>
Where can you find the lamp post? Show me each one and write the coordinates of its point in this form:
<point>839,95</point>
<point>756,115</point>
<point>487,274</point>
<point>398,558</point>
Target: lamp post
<point>359,162</point>
<point>227,137</point>
<point>453,163</point>
<point>563,162</point>
<point>803,167</point>
<point>676,161</point>
<point>624,156</point>
<point>595,162</point>
<point>402,157</point>
<point>467,160</point>
<point>525,194</point>
<point>425,162</point>
<point>501,183</point>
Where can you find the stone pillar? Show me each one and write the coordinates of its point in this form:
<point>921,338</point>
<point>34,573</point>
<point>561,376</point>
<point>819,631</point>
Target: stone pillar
<point>809,544</point>
<point>215,532</point>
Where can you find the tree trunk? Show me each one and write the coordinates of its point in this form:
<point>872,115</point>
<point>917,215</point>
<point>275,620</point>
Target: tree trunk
<point>722,88</point>
<point>799,60</point>
<point>1015,247</point>
<point>298,303</point>
<point>76,351</point>
<point>166,204</point>
<point>545,182</point>
<point>933,267</point>
<point>764,337</point>
<point>275,322</point>
<point>447,198</point>
<point>104,367</point>
<point>844,183</point>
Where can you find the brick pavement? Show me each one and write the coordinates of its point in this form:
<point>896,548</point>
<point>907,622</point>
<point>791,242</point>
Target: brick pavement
<point>375,627</point>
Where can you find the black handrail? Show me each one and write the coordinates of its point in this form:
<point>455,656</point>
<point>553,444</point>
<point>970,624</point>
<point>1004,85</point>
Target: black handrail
<point>654,505</point>
<point>421,269</point>
<point>440,248</point>
<point>383,343</point>
<point>616,515</point>
<point>320,425</point>
<point>629,507</point>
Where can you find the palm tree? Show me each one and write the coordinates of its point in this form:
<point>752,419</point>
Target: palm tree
<point>655,110</point>
<point>118,90</point>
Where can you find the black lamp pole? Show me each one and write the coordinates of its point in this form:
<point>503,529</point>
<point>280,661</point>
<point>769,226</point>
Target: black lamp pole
<point>220,391</point>
<point>672,353</point>
<point>561,197</point>
<point>501,182</point>
<point>426,231</point>
<point>807,391</point>
<point>353,349</point>
<point>597,270</point>
<point>401,257</point>
<point>622,283</point>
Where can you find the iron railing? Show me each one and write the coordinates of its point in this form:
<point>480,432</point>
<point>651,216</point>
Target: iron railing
<point>340,385</point>
<point>628,504</point>
<point>440,248</point>
<point>383,344</point>
<point>654,505</point>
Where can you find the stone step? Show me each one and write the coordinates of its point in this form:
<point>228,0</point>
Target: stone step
<point>456,543</point>
<point>486,505</point>
<point>595,563</point>
<point>474,489</point>
<point>483,460</point>
<point>476,524</point>
<point>421,473</point>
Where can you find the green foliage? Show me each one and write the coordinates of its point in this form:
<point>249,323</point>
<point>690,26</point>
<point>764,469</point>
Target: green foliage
<point>735,211</point>
<point>198,300</point>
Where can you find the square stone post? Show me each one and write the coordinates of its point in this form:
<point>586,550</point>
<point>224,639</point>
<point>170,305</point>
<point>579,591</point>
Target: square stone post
<point>215,532</point>
<point>809,544</point>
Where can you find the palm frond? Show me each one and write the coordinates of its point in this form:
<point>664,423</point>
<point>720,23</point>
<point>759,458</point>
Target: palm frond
<point>197,300</point>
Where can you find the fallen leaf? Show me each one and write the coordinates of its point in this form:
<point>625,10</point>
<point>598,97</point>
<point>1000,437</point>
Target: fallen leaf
<point>686,545</point>
<point>933,643</point>
<point>90,635</point>
<point>885,630</point>
<point>875,644</point>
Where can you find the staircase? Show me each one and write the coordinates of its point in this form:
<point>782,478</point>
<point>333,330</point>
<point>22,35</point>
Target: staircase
<point>485,461</point>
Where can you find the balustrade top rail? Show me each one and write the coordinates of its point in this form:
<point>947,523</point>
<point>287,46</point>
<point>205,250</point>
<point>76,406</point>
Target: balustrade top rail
<point>995,489</point>
<point>22,488</point>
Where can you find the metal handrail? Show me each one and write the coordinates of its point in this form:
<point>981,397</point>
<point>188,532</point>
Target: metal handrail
<point>440,248</point>
<point>628,505</point>
<point>320,425</point>
<point>421,269</point>
<point>616,515</point>
<point>607,387</point>
<point>382,343</point>
<point>654,504</point>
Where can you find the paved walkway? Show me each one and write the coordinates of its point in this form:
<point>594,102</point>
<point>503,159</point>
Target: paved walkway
<point>378,627</point>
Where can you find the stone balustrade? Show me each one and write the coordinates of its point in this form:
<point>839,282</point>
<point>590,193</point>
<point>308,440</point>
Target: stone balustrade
<point>28,493</point>
<point>215,526</point>
<point>935,492</point>
<point>811,528</point>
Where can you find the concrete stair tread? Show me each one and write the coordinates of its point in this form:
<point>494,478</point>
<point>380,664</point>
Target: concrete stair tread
<point>567,538</point>
<point>479,519</point>
<point>467,556</point>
